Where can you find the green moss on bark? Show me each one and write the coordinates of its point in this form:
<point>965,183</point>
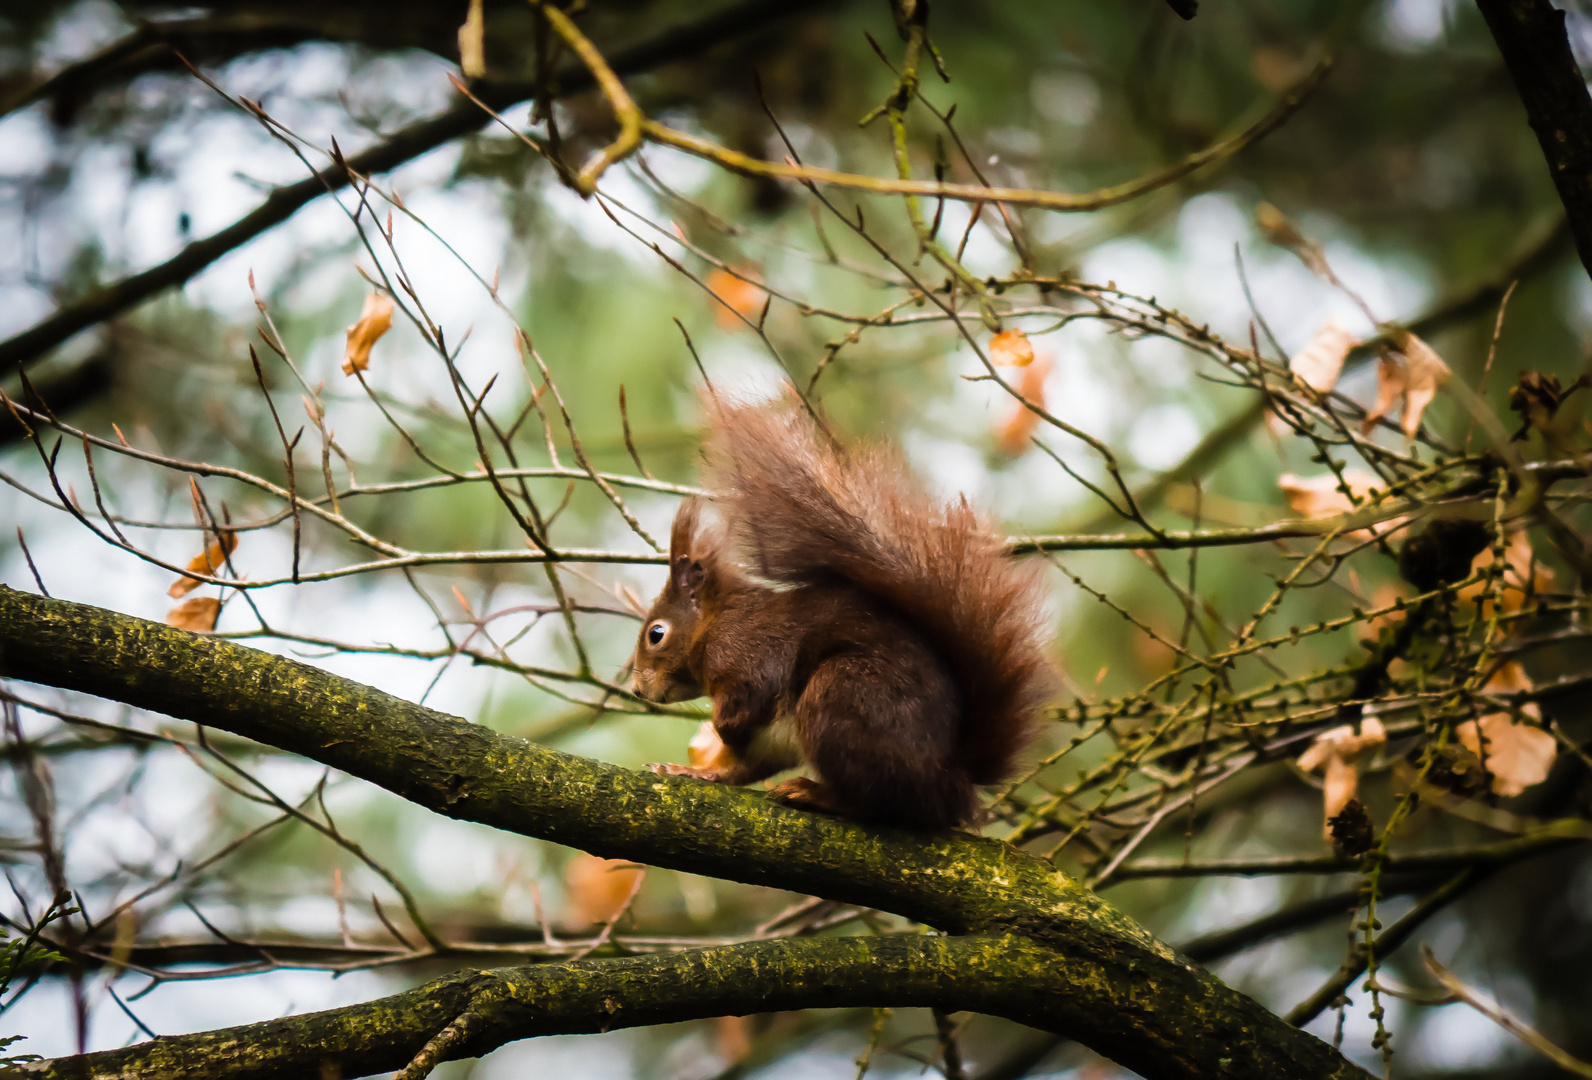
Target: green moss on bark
<point>1048,952</point>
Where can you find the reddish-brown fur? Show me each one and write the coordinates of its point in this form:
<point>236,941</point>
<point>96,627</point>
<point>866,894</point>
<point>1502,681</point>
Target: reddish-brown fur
<point>885,629</point>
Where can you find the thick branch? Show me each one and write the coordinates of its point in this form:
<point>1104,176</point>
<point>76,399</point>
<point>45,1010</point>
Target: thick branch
<point>1531,37</point>
<point>409,143</point>
<point>1129,996</point>
<point>1000,976</point>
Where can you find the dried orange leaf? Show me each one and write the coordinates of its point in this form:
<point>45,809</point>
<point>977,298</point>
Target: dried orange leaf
<point>373,322</point>
<point>1426,373</point>
<point>598,888</point>
<point>198,614</point>
<point>1338,786</point>
<point>1389,387</point>
<point>1017,427</point>
<point>733,1037</point>
<point>740,295</point>
<point>472,42</point>
<point>1317,497</point>
<point>1522,574</point>
<point>1320,362</point>
<point>1011,348</point>
<point>1516,755</point>
<point>1342,742</point>
<point>212,559</point>
<point>707,750</point>
<point>1318,365</point>
<point>1335,752</point>
<point>1411,369</point>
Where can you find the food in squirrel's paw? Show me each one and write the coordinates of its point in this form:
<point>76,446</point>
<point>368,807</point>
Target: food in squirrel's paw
<point>841,618</point>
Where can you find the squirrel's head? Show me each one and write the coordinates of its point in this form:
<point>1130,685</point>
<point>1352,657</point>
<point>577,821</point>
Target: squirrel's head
<point>662,663</point>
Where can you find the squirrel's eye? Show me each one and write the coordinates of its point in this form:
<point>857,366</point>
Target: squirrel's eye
<point>656,633</point>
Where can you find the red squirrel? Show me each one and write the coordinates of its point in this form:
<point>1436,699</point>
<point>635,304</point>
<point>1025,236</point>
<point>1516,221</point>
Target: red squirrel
<point>842,618</point>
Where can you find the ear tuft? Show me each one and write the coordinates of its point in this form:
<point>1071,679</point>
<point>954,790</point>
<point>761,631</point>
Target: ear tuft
<point>685,574</point>
<point>683,533</point>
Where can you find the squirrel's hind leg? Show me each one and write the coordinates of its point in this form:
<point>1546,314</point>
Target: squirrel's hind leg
<point>880,732</point>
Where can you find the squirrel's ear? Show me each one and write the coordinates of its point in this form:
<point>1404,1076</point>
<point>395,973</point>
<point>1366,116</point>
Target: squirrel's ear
<point>684,530</point>
<point>685,574</point>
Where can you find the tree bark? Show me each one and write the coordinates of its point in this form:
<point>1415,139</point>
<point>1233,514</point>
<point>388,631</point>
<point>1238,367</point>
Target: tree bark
<point>1087,970</point>
<point>1536,49</point>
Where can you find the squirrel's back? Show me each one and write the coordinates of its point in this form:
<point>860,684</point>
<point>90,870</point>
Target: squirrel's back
<point>800,510</point>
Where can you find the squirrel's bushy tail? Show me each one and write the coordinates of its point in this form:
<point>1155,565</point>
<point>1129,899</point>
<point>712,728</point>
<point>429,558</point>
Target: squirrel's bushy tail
<point>801,510</point>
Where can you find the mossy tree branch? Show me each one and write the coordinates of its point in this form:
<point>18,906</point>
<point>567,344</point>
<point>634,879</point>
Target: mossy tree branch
<point>1087,970</point>
<point>1000,975</point>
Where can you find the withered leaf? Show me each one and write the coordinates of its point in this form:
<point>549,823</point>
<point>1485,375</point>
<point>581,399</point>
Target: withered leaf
<point>740,295</point>
<point>1410,369</point>
<point>1320,362</point>
<point>472,42</point>
<point>213,558</point>
<point>1013,432</point>
<point>1335,752</point>
<point>1516,755</point>
<point>733,1037</point>
<point>1318,365</point>
<point>198,614</point>
<point>1011,348</point>
<point>1522,575</point>
<point>1317,497</point>
<point>598,888</point>
<point>373,322</point>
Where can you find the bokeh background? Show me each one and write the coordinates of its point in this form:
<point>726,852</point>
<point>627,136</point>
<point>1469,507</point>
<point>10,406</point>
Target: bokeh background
<point>1412,165</point>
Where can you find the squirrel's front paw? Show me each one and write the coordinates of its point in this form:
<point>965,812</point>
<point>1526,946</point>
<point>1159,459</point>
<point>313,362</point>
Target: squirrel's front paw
<point>670,768</point>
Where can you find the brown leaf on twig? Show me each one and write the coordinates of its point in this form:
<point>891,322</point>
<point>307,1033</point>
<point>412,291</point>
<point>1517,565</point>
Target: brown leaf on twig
<point>213,558</point>
<point>598,888</point>
<point>1318,365</point>
<point>1017,427</point>
<point>198,614</point>
<point>1335,752</point>
<point>1320,362</point>
<point>733,1037</point>
<point>1410,369</point>
<point>1516,755</point>
<point>1522,575</point>
<point>740,296</point>
<point>1011,348</point>
<point>373,322</point>
<point>472,42</point>
<point>1317,497</point>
